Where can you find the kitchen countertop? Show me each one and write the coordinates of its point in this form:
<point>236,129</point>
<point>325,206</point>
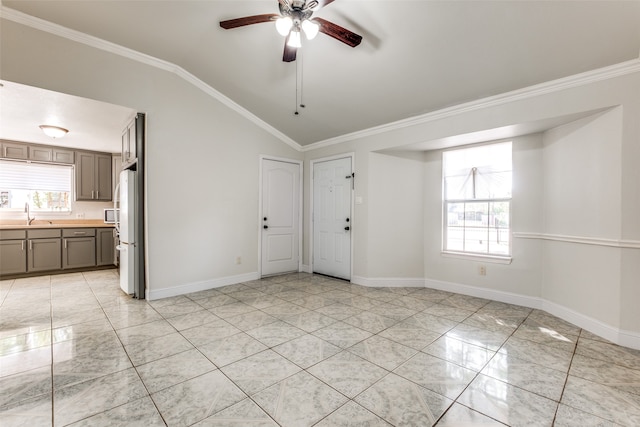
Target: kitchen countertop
<point>54,223</point>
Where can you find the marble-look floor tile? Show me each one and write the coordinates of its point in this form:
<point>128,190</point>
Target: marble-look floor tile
<point>169,301</point>
<point>383,352</point>
<point>539,354</point>
<point>508,404</point>
<point>411,303</point>
<point>140,412</point>
<point>403,403</point>
<point>14,363</point>
<point>486,338</point>
<point>433,323</point>
<point>370,322</point>
<point>147,331</point>
<point>527,375</point>
<point>275,333</point>
<point>339,311</point>
<point>243,414</point>
<point>341,334</point>
<point>81,330</point>
<point>492,322</point>
<point>393,311</point>
<point>306,350</point>
<point>88,398</point>
<point>347,373</point>
<point>156,348</point>
<point>191,401</point>
<point>547,337</point>
<point>624,356</point>
<point>437,375</point>
<point>207,293</point>
<point>606,373</point>
<point>600,400</point>
<point>308,321</point>
<point>264,302</point>
<point>191,320</point>
<point>448,312</point>
<point>232,309</point>
<point>285,309</point>
<point>173,310</point>
<point>230,349</point>
<point>25,385</point>
<point>566,416</point>
<point>459,415</point>
<point>251,320</point>
<point>259,371</point>
<point>124,316</point>
<point>75,317</point>
<point>465,302</point>
<point>300,400</point>
<point>209,332</point>
<point>216,300</point>
<point>353,415</point>
<point>24,342</point>
<point>459,352</point>
<point>545,320</point>
<point>175,369</point>
<point>34,412</point>
<point>410,333</point>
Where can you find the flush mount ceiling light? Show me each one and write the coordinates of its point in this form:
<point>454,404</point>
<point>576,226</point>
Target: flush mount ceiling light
<point>295,17</point>
<point>54,131</point>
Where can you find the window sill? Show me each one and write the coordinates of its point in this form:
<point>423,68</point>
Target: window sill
<point>478,257</point>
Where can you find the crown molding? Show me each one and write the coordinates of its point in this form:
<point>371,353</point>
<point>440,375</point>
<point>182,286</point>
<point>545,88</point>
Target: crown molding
<point>616,70</point>
<point>95,42</point>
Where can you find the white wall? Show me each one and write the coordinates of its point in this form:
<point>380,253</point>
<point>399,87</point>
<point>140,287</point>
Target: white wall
<point>202,157</point>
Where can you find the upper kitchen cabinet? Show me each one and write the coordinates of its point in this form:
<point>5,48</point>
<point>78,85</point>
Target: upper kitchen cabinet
<point>12,150</point>
<point>93,176</point>
<point>129,145</point>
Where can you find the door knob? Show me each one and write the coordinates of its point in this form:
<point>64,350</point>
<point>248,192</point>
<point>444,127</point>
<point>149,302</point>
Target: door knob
<point>347,228</point>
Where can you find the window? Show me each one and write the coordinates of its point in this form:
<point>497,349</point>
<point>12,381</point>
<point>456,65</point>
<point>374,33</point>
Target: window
<point>47,188</point>
<point>477,200</point>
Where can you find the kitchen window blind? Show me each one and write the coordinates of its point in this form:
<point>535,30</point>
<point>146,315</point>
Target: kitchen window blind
<point>35,176</point>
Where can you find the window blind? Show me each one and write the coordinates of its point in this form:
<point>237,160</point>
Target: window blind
<point>35,176</point>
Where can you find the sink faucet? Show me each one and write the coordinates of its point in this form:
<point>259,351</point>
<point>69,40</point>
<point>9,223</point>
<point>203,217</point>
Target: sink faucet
<point>26,209</point>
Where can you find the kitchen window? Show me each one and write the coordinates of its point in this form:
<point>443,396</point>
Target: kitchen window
<point>477,185</point>
<point>47,188</point>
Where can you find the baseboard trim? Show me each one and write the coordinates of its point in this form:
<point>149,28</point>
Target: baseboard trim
<point>618,336</point>
<point>304,268</point>
<point>392,282</point>
<point>204,285</point>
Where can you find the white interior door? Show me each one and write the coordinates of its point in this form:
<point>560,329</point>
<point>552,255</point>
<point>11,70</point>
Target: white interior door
<point>332,181</point>
<point>280,217</point>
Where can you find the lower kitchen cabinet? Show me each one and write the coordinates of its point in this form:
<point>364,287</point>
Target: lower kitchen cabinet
<point>79,248</point>
<point>13,256</point>
<point>44,254</point>
<point>105,246</point>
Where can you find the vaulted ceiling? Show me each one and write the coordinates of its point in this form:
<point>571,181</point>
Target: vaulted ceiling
<point>416,56</point>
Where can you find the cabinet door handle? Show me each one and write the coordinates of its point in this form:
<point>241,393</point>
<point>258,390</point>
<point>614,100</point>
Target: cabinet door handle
<point>30,245</point>
<point>92,193</point>
<point>79,233</point>
<point>65,243</point>
<point>97,194</point>
<point>23,246</point>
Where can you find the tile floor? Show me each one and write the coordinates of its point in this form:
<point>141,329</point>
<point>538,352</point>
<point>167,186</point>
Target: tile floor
<point>299,350</point>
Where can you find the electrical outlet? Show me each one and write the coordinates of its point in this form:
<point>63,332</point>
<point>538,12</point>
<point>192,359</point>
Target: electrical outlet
<point>238,260</point>
<point>482,270</point>
<point>80,215</point>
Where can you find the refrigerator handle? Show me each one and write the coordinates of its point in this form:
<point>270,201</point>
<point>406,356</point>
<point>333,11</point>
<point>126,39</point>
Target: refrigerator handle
<point>116,207</point>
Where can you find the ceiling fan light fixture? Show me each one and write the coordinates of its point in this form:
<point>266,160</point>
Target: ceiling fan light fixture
<point>54,131</point>
<point>283,25</point>
<point>294,39</point>
<point>310,29</point>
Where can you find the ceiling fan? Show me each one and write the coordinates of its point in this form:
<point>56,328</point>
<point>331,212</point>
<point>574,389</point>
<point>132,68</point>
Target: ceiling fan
<point>295,16</point>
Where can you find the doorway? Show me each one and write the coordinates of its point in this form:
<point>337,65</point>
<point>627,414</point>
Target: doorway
<point>280,210</point>
<point>331,216</point>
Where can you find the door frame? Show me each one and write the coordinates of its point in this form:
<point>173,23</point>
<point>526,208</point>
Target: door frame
<point>300,164</point>
<point>312,163</point>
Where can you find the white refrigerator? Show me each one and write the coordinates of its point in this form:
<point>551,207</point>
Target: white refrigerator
<point>125,206</point>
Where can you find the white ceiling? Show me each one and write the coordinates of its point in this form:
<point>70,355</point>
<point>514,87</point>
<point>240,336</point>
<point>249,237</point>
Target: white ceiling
<point>416,56</point>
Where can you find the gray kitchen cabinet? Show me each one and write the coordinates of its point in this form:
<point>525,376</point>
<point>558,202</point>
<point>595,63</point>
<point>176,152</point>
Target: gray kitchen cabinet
<point>63,156</point>
<point>44,254</point>
<point>105,246</point>
<point>13,252</point>
<point>39,153</point>
<point>93,176</point>
<point>78,247</point>
<point>12,150</point>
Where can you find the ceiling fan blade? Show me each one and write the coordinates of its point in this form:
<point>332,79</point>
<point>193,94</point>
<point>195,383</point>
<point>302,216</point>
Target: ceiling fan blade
<point>248,20</point>
<point>323,3</point>
<point>289,54</point>
<point>339,33</point>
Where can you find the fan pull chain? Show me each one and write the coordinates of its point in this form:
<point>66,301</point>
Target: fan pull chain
<point>296,112</point>
<point>300,83</point>
<point>301,79</point>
